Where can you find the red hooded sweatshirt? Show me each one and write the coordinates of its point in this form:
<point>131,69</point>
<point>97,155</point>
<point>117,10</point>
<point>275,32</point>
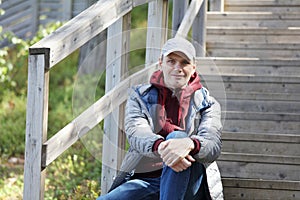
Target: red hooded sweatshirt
<point>171,116</point>
<point>174,106</point>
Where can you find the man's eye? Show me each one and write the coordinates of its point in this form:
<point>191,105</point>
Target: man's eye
<point>171,61</point>
<point>185,63</point>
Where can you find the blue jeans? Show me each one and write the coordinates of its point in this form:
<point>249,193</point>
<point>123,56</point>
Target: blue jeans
<point>189,184</point>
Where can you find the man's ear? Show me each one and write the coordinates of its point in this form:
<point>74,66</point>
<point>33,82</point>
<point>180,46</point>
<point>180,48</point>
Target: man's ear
<point>160,62</point>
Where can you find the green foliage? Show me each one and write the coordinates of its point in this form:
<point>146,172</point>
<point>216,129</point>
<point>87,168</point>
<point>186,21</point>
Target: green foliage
<point>139,16</point>
<point>12,122</point>
<point>11,181</point>
<point>13,57</point>
<point>73,176</point>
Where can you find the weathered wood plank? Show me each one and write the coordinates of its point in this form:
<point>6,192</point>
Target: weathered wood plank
<point>261,184</point>
<point>179,9</point>
<point>273,9</point>
<point>258,38</point>
<point>189,17</point>
<point>235,188</point>
<point>254,66</point>
<point>10,3</point>
<point>285,47</point>
<point>268,126</point>
<point>261,143</point>
<point>261,137</point>
<point>253,19</point>
<point>36,126</point>
<point>262,106</point>
<point>281,17</point>
<point>199,30</point>
<point>51,5</point>
<point>156,30</point>
<point>267,70</point>
<point>114,140</point>
<point>248,61</point>
<point>217,5</point>
<point>257,116</point>
<point>19,27</point>
<point>140,2</point>
<point>257,50</point>
<point>245,95</point>
<point>236,30</point>
<point>81,28</point>
<point>25,5</point>
<point>254,170</point>
<point>260,158</point>
<point>251,83</point>
<point>264,2</point>
<point>260,147</point>
<point>248,193</point>
<point>16,17</point>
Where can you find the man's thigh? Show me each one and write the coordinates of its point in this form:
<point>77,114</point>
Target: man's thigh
<point>136,189</point>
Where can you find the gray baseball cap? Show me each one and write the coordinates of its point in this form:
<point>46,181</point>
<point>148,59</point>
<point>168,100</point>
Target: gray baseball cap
<point>179,44</point>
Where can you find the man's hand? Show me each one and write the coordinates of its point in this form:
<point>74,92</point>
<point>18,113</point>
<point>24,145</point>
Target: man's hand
<point>183,164</point>
<point>175,153</point>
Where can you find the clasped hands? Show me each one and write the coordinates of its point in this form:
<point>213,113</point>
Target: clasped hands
<point>175,153</point>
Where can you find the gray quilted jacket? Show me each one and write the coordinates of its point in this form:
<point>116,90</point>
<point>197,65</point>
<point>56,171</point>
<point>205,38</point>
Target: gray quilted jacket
<point>203,123</point>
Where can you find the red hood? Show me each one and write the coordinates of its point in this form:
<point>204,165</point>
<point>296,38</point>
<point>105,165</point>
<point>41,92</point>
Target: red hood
<point>177,108</point>
<point>194,84</point>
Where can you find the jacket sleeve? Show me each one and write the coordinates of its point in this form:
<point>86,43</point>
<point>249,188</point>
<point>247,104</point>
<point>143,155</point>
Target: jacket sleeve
<point>209,132</point>
<point>138,126</point>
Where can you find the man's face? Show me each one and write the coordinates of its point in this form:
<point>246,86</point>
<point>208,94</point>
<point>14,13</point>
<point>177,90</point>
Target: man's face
<point>177,70</point>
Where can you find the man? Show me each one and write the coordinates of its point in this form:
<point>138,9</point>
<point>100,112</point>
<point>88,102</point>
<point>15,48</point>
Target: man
<point>173,128</point>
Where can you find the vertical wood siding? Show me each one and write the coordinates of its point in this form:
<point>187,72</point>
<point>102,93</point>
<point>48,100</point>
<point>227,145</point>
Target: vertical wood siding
<point>23,17</point>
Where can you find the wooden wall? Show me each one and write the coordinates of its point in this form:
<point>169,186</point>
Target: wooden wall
<point>23,17</point>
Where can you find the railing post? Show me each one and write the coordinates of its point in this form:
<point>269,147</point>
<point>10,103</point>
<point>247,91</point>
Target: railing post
<point>67,9</point>
<point>157,29</point>
<point>117,64</point>
<point>199,30</point>
<point>179,9</point>
<point>216,5</point>
<point>36,126</point>
<point>35,16</point>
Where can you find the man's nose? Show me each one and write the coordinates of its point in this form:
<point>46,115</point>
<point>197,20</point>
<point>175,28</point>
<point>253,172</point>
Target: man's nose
<point>178,66</point>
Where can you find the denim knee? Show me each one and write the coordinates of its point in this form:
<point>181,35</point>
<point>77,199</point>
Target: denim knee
<point>176,134</point>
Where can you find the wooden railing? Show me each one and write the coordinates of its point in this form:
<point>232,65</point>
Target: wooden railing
<point>112,15</point>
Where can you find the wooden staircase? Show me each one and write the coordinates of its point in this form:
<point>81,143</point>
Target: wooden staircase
<point>256,48</point>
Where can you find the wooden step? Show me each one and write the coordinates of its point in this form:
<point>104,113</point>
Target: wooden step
<point>261,106</point>
<point>268,124</point>
<point>259,166</point>
<point>255,66</point>
<point>249,83</point>
<point>248,66</point>
<point>256,50</point>
<point>263,5</point>
<point>245,95</point>
<point>237,188</point>
<point>261,143</point>
<point>263,116</point>
<point>253,19</point>
<point>257,35</point>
